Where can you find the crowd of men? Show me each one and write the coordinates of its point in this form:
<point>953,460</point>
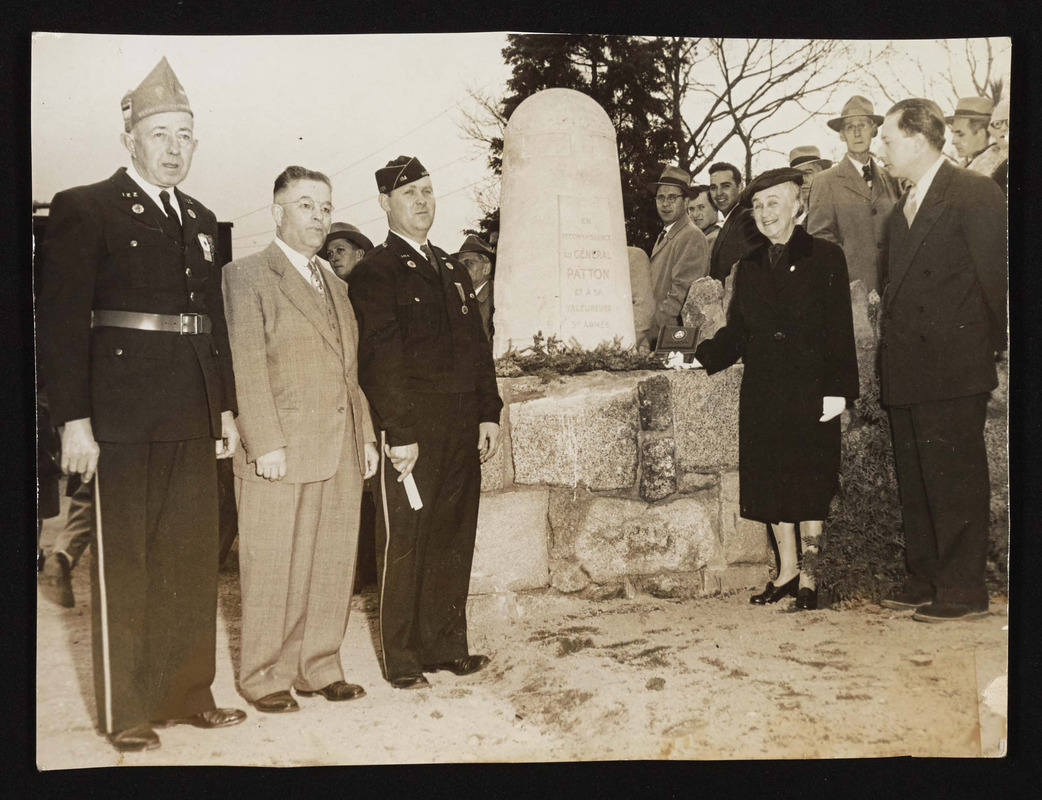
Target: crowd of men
<point>930,238</point>
<point>157,363</point>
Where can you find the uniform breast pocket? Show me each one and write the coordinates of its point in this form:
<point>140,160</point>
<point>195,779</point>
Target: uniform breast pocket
<point>137,255</point>
<point>420,312</point>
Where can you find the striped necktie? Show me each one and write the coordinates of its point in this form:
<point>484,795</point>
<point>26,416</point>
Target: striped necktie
<point>316,277</point>
<point>911,204</point>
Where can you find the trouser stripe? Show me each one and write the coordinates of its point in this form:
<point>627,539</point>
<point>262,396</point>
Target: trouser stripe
<point>387,543</point>
<point>103,601</point>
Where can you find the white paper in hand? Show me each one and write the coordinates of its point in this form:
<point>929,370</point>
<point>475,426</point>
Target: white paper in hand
<point>412,493</point>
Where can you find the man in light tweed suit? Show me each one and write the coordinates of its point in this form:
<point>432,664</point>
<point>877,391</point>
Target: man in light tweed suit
<point>308,444</point>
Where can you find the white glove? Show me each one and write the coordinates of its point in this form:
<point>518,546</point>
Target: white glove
<point>832,407</point>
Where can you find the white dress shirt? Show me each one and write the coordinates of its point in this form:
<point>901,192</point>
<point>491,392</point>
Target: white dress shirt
<point>153,191</point>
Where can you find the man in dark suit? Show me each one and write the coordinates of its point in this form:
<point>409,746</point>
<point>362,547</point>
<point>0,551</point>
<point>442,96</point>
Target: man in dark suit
<point>477,257</point>
<point>944,320</point>
<point>738,234</point>
<point>133,348</point>
<point>425,365</point>
<point>850,203</point>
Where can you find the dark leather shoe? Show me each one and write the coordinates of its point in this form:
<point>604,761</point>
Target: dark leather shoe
<point>133,740</point>
<point>467,665</point>
<point>772,594</point>
<point>949,612</point>
<point>276,703</point>
<point>906,600</point>
<point>336,691</point>
<point>55,581</point>
<point>806,598</point>
<point>211,718</point>
<point>410,682</point>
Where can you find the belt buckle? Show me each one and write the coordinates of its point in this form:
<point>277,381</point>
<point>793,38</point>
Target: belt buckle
<point>189,324</point>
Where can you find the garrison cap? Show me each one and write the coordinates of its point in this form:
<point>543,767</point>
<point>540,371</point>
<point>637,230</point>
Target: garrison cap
<point>160,91</point>
<point>772,177</point>
<point>403,170</point>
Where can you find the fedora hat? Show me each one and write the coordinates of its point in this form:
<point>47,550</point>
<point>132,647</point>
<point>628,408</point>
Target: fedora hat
<point>856,106</point>
<point>808,155</point>
<point>971,108</point>
<point>344,230</point>
<point>671,176</point>
<point>475,244</point>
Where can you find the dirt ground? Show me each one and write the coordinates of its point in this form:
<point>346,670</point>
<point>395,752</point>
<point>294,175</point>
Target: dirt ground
<point>640,678</point>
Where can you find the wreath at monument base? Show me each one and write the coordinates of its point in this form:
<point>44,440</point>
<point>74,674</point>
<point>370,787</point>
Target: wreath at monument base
<point>550,358</point>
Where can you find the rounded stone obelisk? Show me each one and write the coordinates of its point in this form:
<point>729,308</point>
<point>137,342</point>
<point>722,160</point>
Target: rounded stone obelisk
<point>561,264</point>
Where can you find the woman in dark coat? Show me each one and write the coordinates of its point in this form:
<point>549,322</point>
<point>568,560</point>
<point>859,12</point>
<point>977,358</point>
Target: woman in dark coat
<point>790,322</point>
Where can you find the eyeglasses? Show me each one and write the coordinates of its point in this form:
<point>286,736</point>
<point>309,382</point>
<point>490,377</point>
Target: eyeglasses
<point>667,199</point>
<point>307,205</point>
<point>999,124</point>
<point>856,127</point>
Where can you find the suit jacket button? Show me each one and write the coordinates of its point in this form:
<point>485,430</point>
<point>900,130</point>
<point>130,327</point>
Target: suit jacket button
<point>188,272</point>
<point>416,299</point>
<point>340,410</point>
<point>191,296</point>
<point>778,336</point>
<point>119,351</point>
<point>133,242</point>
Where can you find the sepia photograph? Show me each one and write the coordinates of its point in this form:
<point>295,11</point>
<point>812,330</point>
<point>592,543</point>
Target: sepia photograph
<point>456,398</point>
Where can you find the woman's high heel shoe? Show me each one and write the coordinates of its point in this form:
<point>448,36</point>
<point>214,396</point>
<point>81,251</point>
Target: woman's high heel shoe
<point>807,598</point>
<point>772,594</point>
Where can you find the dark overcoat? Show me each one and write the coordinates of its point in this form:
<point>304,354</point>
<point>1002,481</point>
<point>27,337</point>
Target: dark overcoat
<point>793,329</point>
<point>737,237</point>
<point>944,301</point>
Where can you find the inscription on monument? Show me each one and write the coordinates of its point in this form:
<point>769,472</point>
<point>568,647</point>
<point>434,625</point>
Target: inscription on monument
<point>587,266</point>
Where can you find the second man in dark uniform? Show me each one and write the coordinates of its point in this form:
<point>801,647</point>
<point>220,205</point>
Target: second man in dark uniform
<point>426,368</point>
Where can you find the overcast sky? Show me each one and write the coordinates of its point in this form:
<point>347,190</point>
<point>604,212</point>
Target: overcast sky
<point>342,104</point>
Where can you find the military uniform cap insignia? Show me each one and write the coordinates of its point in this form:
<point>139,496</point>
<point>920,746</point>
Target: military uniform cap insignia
<point>137,208</point>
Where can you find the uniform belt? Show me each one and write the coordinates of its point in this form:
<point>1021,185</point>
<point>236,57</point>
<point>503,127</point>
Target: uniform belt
<point>170,323</point>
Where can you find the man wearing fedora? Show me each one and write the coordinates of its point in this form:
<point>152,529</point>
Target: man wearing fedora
<point>345,246</point>
<point>969,125</point>
<point>703,213</point>
<point>477,257</point>
<point>133,350</point>
<point>850,203</point>
<point>680,254</point>
<point>807,159</point>
<point>943,320</point>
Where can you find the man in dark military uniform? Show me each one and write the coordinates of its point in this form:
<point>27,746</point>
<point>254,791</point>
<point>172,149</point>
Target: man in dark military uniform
<point>134,353</point>
<point>426,368</point>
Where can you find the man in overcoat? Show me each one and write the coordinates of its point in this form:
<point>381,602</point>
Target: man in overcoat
<point>850,203</point>
<point>477,257</point>
<point>680,254</point>
<point>943,321</point>
<point>738,234</point>
<point>426,367</point>
<point>307,445</point>
<point>133,349</point>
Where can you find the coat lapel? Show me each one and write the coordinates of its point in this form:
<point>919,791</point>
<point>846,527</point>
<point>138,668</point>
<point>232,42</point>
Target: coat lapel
<point>930,209</point>
<point>853,179</point>
<point>135,203</point>
<point>189,217</point>
<point>410,258</point>
<point>299,293</point>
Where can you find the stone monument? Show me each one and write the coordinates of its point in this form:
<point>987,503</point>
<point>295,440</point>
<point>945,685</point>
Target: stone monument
<point>561,264</point>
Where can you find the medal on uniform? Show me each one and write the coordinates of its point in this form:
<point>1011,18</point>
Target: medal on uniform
<point>462,297</point>
<point>137,208</point>
<point>411,264</point>
<point>206,243</point>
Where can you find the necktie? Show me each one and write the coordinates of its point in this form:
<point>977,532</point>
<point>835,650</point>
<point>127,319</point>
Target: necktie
<point>866,171</point>
<point>661,238</point>
<point>316,277</point>
<point>911,204</point>
<point>170,213</point>
<point>426,248</point>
